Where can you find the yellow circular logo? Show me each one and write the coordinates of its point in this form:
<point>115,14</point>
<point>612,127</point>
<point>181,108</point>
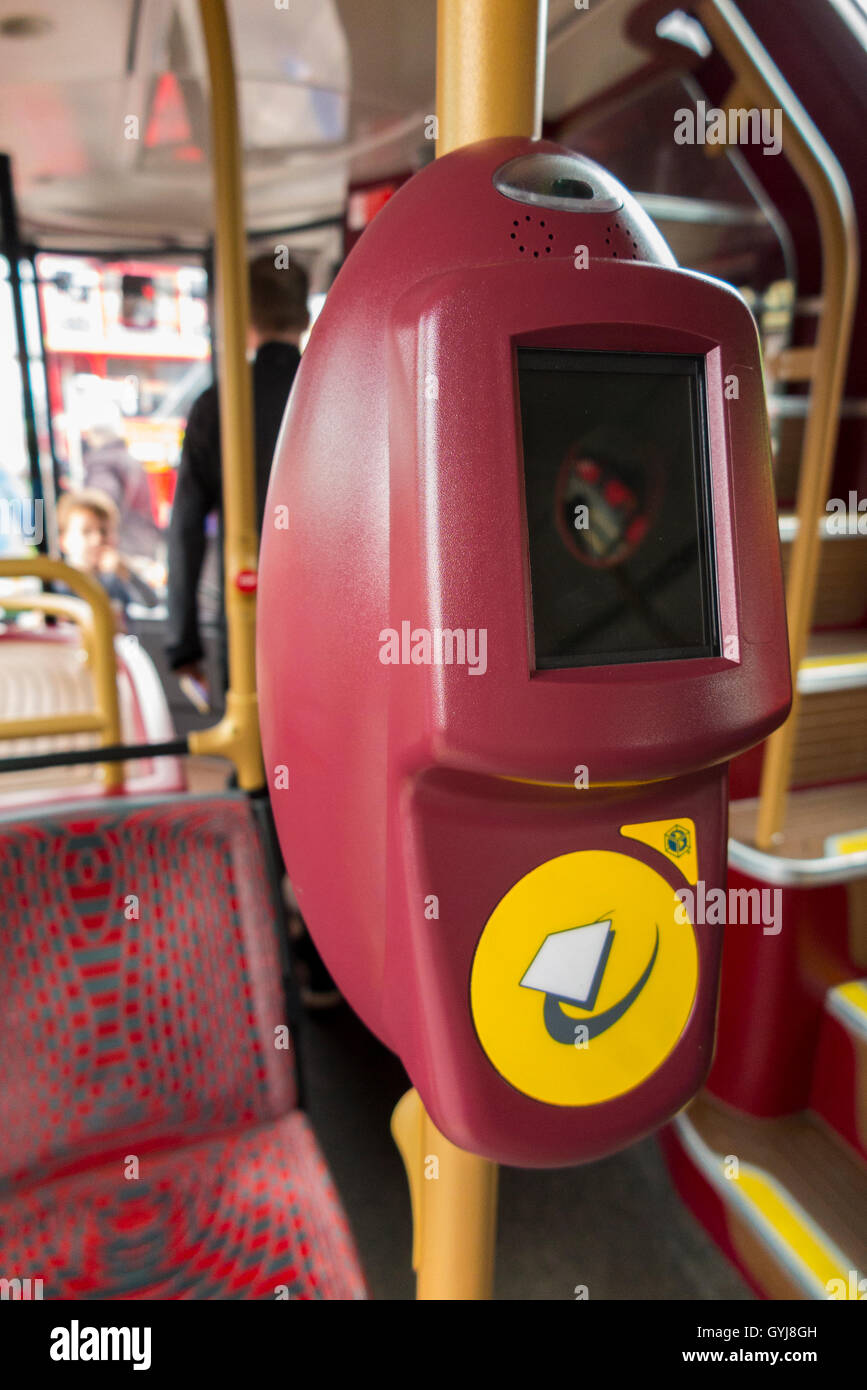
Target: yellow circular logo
<point>583,978</point>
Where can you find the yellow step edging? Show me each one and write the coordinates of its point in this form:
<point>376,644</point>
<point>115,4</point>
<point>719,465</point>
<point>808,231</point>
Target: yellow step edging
<point>798,1244</point>
<point>848,1003</point>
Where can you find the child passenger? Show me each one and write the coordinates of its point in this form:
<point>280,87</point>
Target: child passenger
<point>88,523</point>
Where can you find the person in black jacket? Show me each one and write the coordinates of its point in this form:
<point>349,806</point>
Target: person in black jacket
<point>278,318</point>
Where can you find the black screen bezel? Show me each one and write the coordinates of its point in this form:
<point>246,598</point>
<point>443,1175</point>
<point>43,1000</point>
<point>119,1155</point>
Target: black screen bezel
<point>668,363</point>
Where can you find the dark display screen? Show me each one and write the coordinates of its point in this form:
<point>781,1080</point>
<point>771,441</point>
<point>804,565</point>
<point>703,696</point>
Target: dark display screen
<point>618,507</point>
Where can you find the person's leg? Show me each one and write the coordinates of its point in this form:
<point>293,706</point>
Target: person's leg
<point>315,985</point>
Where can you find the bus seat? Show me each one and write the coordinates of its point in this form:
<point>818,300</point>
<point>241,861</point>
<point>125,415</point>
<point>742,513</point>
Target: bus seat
<point>44,673</point>
<point>252,1215</point>
<point>153,1147</point>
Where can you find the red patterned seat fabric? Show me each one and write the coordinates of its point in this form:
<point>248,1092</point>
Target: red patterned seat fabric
<point>251,1215</point>
<point>145,1092</point>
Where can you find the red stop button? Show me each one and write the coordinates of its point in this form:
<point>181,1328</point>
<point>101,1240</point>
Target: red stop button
<point>246,581</point>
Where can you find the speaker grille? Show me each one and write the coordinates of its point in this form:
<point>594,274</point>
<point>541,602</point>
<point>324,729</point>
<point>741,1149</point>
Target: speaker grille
<point>533,237</point>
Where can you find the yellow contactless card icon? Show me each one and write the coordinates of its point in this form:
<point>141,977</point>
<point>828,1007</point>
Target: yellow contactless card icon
<point>583,979</point>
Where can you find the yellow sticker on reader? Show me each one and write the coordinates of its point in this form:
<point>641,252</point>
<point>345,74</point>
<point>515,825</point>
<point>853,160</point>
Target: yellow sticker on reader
<point>673,838</point>
<point>583,979</point>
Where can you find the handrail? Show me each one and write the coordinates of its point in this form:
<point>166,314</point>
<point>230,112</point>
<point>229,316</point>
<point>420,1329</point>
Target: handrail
<point>818,168</point>
<point>236,736</point>
<point>92,611</point>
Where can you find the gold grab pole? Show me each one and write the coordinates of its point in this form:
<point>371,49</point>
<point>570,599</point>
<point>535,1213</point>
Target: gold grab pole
<point>819,170</point>
<point>489,56</point>
<point>92,611</point>
<point>490,69</point>
<point>237,734</point>
<point>454,1208</point>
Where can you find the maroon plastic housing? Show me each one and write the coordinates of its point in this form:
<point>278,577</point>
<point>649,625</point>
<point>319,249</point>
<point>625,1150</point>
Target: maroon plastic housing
<point>400,463</point>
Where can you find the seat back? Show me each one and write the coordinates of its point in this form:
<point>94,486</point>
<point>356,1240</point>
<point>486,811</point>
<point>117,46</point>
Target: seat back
<point>141,1000</point>
<point>45,673</point>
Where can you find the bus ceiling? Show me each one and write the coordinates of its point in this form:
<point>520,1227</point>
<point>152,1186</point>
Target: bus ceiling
<point>115,148</point>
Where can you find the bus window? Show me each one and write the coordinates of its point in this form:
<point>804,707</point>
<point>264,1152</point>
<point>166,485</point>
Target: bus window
<point>21,520</point>
<point>128,350</point>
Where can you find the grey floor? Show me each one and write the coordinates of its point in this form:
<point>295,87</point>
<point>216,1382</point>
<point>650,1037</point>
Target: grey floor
<point>616,1226</point>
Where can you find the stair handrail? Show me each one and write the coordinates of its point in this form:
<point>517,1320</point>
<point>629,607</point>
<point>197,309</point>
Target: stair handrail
<point>818,168</point>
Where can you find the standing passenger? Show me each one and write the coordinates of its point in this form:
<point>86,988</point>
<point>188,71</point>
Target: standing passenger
<point>278,318</point>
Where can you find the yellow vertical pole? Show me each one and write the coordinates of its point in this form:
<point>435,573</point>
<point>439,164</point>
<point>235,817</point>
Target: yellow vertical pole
<point>490,66</point>
<point>454,1208</point>
<point>490,70</point>
<point>237,734</point>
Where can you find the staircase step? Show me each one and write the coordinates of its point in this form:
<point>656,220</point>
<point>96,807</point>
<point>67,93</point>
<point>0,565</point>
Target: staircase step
<point>841,595</point>
<point>834,661</point>
<point>839,1091</point>
<point>822,824</point>
<point>831,734</point>
<point>795,1201</point>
